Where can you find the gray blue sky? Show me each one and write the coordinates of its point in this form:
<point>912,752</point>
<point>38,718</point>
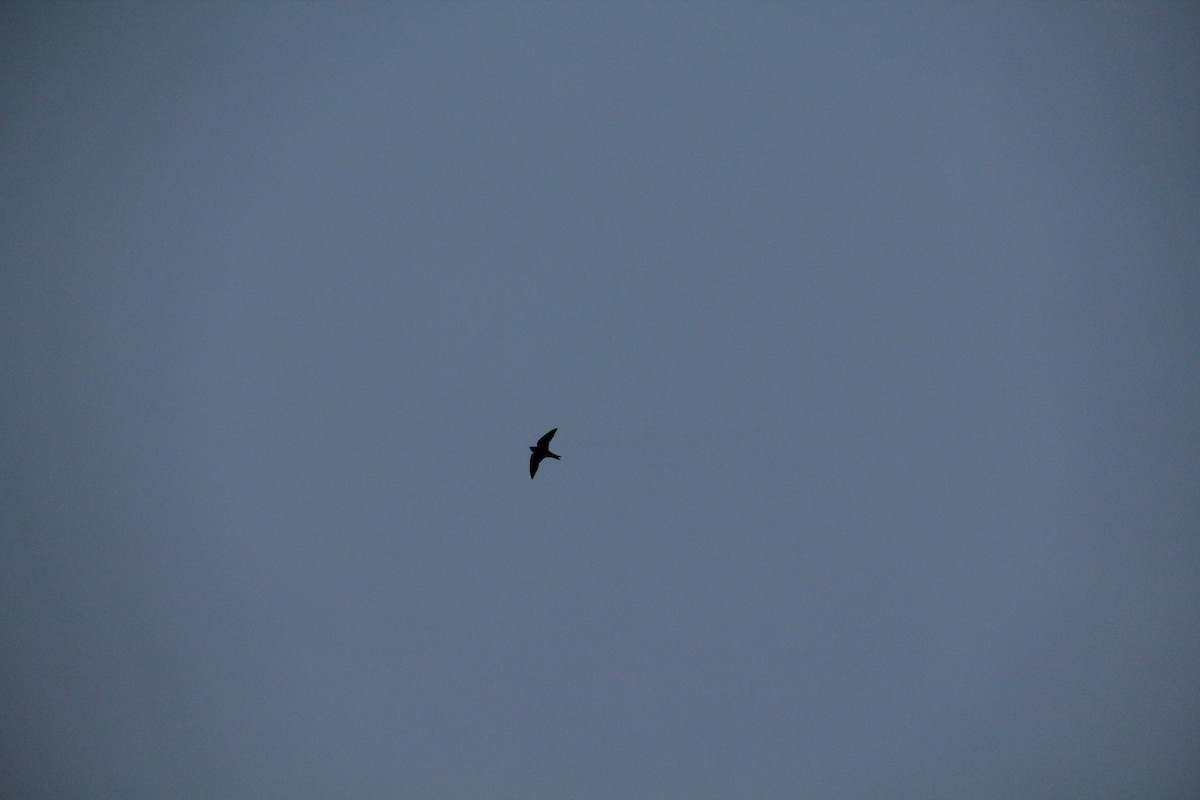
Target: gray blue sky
<point>871,333</point>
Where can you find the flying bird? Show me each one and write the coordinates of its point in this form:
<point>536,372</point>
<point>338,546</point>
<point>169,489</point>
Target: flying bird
<point>541,451</point>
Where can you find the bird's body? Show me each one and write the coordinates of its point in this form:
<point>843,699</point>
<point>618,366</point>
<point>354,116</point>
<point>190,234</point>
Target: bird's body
<point>542,450</point>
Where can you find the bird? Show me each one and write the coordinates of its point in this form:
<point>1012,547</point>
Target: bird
<point>541,451</point>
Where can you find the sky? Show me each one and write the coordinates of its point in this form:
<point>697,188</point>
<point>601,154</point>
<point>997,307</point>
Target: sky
<point>870,331</point>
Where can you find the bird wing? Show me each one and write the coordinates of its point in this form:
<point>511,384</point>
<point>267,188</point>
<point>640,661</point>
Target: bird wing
<point>534,460</point>
<point>544,442</point>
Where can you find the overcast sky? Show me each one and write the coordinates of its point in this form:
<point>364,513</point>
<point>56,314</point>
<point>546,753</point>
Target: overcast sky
<point>871,332</point>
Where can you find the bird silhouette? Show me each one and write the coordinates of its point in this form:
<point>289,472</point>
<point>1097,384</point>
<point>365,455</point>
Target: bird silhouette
<point>541,451</point>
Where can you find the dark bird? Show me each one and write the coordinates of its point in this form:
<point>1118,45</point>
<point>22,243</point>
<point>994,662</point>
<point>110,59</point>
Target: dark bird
<point>541,451</point>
